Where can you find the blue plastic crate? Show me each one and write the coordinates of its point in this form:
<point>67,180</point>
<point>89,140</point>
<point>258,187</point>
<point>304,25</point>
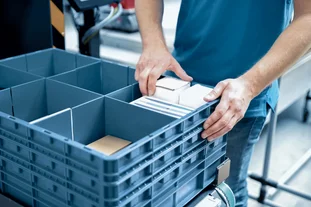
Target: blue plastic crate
<point>167,163</point>
<point>69,163</point>
<point>48,62</point>
<point>102,77</point>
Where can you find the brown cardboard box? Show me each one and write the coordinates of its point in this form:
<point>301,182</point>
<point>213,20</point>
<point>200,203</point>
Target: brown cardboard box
<point>109,144</point>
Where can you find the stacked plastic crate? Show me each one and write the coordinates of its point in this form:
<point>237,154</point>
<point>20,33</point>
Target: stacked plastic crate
<point>45,161</point>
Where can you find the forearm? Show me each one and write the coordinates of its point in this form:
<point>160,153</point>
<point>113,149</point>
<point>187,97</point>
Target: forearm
<point>293,43</point>
<point>149,15</point>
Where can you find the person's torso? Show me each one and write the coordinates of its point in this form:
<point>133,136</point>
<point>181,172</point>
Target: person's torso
<point>220,39</point>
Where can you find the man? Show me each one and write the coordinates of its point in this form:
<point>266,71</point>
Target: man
<point>240,46</point>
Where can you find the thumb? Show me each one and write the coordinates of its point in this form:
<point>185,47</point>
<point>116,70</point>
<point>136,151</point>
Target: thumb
<point>176,68</point>
<point>216,92</point>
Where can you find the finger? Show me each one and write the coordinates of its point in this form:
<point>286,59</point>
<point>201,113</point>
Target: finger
<point>217,91</point>
<point>220,124</point>
<point>153,77</point>
<point>176,68</point>
<point>137,73</point>
<point>143,81</point>
<point>219,112</point>
<point>138,70</point>
<point>224,130</point>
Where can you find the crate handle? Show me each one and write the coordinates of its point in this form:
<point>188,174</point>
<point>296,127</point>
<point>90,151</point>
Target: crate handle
<point>167,126</point>
<point>47,132</point>
<point>132,146</point>
<point>11,117</point>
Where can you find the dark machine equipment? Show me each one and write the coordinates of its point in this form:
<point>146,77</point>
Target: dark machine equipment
<point>25,26</point>
<point>84,5</point>
<point>92,16</point>
<point>91,46</point>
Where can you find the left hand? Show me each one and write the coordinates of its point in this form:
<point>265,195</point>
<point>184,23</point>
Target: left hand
<point>236,95</point>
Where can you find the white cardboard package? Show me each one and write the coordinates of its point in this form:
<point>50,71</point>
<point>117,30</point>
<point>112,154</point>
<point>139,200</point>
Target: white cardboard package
<point>193,96</point>
<point>169,89</point>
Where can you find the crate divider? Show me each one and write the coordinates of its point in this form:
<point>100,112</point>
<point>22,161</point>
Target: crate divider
<point>105,116</point>
<point>101,77</point>
<point>6,101</point>
<point>17,62</point>
<point>55,114</point>
<point>40,98</point>
<point>48,62</point>
<point>9,78</point>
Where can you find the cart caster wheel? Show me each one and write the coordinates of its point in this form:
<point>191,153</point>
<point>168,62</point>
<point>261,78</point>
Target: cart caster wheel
<point>226,193</point>
<point>305,116</point>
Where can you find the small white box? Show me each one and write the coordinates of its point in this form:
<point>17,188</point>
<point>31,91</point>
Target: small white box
<point>169,89</point>
<point>193,96</point>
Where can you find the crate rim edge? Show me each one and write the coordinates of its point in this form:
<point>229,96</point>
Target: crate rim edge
<point>100,155</point>
<point>70,71</point>
<point>49,133</point>
<point>147,138</point>
<point>21,71</point>
<point>82,89</point>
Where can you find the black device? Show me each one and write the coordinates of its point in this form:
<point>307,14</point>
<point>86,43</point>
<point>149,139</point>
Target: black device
<point>25,26</point>
<point>87,7</point>
<point>83,5</point>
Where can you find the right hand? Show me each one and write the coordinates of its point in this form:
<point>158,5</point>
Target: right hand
<point>152,64</point>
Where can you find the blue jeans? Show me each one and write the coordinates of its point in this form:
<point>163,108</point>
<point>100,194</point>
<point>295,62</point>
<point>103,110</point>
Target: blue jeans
<point>241,141</point>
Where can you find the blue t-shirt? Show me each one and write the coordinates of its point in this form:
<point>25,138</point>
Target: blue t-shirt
<point>220,39</point>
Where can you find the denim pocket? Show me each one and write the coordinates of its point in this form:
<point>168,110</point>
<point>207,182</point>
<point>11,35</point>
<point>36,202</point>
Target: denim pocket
<point>256,129</point>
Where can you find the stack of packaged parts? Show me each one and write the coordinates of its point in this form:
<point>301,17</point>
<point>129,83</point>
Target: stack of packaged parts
<point>193,97</point>
<point>174,97</point>
<point>161,106</point>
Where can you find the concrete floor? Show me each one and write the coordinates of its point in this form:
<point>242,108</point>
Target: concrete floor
<point>292,140</point>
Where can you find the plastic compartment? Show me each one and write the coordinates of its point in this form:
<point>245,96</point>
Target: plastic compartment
<point>48,62</point>
<point>189,122</point>
<point>102,77</point>
<point>94,120</point>
<point>40,98</point>
<point>10,78</point>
